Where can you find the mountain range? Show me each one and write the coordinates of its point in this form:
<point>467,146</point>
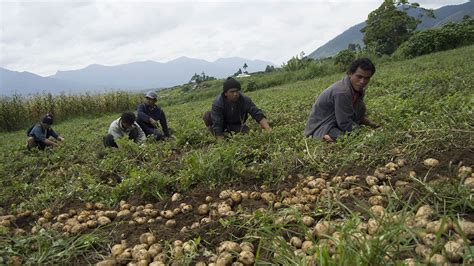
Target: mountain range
<point>353,35</point>
<point>133,76</point>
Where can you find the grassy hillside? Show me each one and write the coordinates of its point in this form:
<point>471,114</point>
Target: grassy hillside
<point>425,106</point>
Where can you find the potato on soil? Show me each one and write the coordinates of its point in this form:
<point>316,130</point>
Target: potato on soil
<point>170,223</point>
<point>323,229</point>
<point>147,238</point>
<point>296,242</point>
<point>453,251</point>
<point>465,227</point>
<point>431,162</point>
<point>424,211</point>
<point>176,197</point>
<point>117,250</point>
<point>225,258</point>
<point>229,246</point>
<point>247,257</point>
<point>371,180</point>
<point>246,246</point>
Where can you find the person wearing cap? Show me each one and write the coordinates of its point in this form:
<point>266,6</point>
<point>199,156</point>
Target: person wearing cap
<point>148,116</point>
<point>40,133</point>
<point>121,127</point>
<point>340,108</point>
<point>230,111</point>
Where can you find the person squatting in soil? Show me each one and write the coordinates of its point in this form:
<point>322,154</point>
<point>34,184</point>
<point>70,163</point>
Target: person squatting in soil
<point>39,134</point>
<point>340,108</point>
<point>148,116</point>
<point>230,111</point>
<point>124,126</point>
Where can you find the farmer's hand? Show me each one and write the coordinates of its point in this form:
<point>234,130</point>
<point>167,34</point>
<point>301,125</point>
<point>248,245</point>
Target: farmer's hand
<point>153,122</point>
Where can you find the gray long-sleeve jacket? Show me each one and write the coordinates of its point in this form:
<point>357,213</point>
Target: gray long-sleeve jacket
<point>117,131</point>
<point>227,116</point>
<point>334,109</point>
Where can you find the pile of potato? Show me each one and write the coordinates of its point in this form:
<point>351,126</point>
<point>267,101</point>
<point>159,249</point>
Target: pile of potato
<point>150,252</point>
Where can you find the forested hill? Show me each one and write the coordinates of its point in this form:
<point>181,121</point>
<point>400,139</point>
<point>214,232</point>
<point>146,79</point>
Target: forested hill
<point>353,35</point>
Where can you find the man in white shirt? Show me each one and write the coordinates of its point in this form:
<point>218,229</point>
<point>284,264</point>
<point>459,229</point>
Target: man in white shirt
<point>124,126</point>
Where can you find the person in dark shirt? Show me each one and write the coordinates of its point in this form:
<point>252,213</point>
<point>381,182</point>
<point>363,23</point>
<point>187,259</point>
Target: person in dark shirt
<point>149,114</point>
<point>340,108</point>
<point>230,111</point>
<point>39,134</point>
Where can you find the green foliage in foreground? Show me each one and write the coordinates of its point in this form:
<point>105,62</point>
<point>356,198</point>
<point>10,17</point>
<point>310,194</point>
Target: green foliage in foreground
<point>425,106</point>
<point>50,247</point>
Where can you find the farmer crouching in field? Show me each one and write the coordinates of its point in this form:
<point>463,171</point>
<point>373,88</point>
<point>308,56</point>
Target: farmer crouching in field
<point>148,116</point>
<point>230,111</point>
<point>38,134</point>
<point>341,106</point>
<point>124,126</point>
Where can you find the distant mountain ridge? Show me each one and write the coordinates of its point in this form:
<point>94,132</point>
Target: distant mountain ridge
<point>132,76</point>
<point>353,35</point>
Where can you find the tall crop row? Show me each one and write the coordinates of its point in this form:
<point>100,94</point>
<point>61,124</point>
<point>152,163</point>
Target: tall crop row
<point>17,112</point>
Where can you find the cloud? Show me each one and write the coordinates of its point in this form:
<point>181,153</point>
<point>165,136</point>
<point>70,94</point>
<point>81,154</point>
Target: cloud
<point>43,37</point>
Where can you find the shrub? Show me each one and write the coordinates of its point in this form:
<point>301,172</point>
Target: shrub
<point>450,36</point>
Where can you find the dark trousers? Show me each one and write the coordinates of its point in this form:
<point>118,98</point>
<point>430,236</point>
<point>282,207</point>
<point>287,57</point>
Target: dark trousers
<point>32,143</point>
<point>152,131</point>
<point>109,141</point>
<point>208,122</point>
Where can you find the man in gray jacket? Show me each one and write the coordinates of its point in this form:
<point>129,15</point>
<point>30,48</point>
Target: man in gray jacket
<point>124,126</point>
<point>341,106</point>
<point>230,111</point>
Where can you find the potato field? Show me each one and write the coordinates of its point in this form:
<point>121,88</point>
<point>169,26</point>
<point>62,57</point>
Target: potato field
<point>400,194</point>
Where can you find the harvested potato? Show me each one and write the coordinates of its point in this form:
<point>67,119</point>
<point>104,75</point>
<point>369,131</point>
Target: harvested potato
<point>225,258</point>
<point>372,226</point>
<point>439,225</point>
<point>453,251</point>
<point>429,240</point>
<point>438,259</point>
<point>307,245</point>
<point>424,211</point>
<point>246,246</point>
<point>229,246</point>
<point>147,238</point>
<point>423,251</point>
<point>123,214</point>
<point>323,229</point>
<point>236,197</point>
<point>225,194</point>
<point>247,257</point>
<point>378,211</point>
<point>431,162</point>
<point>170,223</point>
<point>308,220</point>
<point>117,250</point>
<point>296,242</point>
<point>223,208</point>
<point>176,197</point>
<point>371,180</point>
<point>107,262</point>
<point>469,182</point>
<point>186,208</point>
<point>268,197</point>
<point>168,214</point>
<point>376,200</point>
<point>103,220</point>
<point>465,227</point>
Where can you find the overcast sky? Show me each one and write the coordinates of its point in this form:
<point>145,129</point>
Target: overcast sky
<point>46,36</point>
